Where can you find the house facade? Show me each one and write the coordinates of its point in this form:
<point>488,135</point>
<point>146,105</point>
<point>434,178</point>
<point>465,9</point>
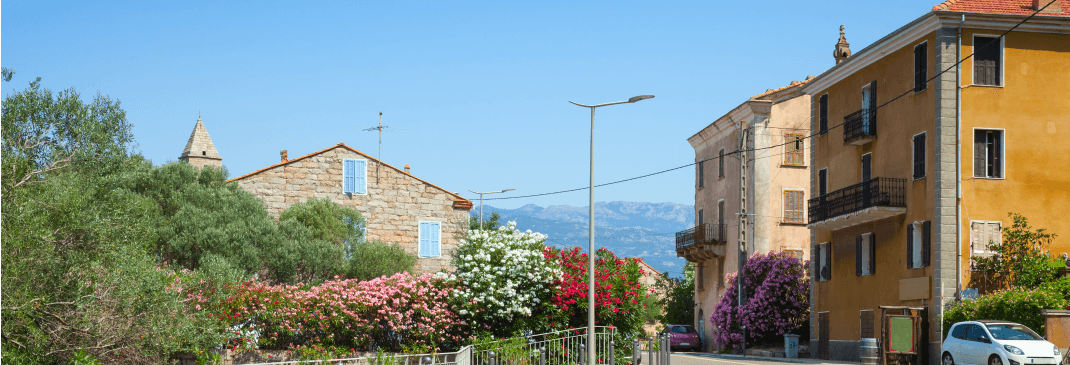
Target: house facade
<point>426,220</point>
<point>772,180</point>
<point>914,171</point>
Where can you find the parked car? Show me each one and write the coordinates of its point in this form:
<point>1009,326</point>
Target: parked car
<point>683,336</point>
<point>996,343</point>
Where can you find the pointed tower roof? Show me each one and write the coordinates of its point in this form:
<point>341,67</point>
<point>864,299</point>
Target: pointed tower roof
<point>843,49</point>
<point>200,150</point>
<point>200,143</point>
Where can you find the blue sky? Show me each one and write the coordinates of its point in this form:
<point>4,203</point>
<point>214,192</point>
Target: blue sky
<point>476,93</point>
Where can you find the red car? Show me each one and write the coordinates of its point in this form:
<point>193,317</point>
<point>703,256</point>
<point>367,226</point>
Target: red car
<point>684,337</point>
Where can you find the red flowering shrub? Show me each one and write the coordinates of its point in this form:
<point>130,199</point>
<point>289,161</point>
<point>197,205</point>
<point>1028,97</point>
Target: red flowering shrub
<point>778,300</point>
<point>389,312</point>
<point>617,291</point>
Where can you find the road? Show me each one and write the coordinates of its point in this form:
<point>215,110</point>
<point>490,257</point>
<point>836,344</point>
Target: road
<point>700,359</point>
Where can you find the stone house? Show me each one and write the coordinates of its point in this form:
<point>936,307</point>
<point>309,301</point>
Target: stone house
<point>425,219</point>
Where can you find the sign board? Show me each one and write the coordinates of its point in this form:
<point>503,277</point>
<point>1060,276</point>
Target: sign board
<point>901,334</point>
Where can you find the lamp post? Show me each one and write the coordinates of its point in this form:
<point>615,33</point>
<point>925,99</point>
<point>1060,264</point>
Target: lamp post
<point>481,203</point>
<point>591,357</point>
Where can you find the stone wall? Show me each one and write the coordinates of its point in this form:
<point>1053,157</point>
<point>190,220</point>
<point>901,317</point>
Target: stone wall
<point>394,206</point>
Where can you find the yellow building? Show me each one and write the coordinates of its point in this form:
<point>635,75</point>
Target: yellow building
<point>916,169</point>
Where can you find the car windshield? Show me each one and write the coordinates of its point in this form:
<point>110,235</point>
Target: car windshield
<point>1006,331</point>
<point>683,329</point>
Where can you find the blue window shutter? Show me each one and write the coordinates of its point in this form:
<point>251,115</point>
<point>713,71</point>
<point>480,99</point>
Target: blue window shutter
<point>349,173</point>
<point>425,241</point>
<point>436,241</point>
<point>361,176</point>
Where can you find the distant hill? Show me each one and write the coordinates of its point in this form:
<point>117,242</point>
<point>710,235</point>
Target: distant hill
<point>646,230</point>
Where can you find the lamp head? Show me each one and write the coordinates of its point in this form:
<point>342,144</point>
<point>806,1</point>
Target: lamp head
<point>640,97</point>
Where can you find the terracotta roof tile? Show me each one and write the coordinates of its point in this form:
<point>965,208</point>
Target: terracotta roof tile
<point>343,145</point>
<point>793,84</point>
<point>1017,7</point>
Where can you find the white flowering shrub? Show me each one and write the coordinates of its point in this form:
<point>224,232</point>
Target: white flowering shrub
<point>506,280</point>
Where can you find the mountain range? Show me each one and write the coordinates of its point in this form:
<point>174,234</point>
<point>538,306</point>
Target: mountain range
<point>629,229</point>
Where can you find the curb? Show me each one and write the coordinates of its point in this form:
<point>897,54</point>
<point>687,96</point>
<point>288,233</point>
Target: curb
<point>763,358</point>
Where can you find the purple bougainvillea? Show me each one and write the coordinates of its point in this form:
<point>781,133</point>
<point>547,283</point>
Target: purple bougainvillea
<point>778,301</point>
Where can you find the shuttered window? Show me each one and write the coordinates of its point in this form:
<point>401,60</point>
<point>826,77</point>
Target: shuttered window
<point>919,156</point>
<point>720,272</point>
<point>988,153</point>
<point>720,163</point>
<point>865,254</point>
<point>822,181</point>
<point>867,166</point>
<point>921,66</point>
<point>822,258</point>
<point>984,235</point>
<point>430,239</point>
<point>919,244</point>
<point>354,176</point>
<point>823,117</point>
<point>797,254</point>
<point>701,174</point>
<point>793,206</point>
<point>793,149</point>
<point>701,219</point>
<point>699,279</point>
<point>987,61</point>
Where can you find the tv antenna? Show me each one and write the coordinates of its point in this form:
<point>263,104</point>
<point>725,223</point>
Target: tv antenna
<point>380,129</point>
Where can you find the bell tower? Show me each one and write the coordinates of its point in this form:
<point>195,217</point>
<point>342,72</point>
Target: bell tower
<point>843,49</point>
<point>199,150</point>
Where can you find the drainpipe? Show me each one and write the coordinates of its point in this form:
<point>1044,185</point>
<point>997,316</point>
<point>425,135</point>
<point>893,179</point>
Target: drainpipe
<point>958,160</point>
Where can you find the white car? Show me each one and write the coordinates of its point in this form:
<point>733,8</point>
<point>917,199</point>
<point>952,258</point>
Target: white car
<point>996,343</point>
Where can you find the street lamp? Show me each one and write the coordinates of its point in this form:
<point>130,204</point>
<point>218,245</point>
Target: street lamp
<point>481,203</point>
<point>590,245</point>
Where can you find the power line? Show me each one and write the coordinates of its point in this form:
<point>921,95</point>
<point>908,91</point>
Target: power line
<point>819,133</point>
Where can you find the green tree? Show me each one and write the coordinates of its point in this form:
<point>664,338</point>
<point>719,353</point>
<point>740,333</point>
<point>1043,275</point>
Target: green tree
<point>1022,260</point>
<point>488,224</point>
<point>679,299</point>
<point>79,266</point>
<point>371,260</point>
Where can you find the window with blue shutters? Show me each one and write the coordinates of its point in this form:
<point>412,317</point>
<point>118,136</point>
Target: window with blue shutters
<point>430,239</point>
<point>354,176</point>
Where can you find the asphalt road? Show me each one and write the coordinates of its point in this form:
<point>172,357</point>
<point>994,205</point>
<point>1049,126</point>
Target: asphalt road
<point>698,359</point>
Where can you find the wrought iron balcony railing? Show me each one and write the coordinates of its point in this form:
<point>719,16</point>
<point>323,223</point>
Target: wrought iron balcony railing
<point>860,126</point>
<point>700,234</point>
<point>875,192</point>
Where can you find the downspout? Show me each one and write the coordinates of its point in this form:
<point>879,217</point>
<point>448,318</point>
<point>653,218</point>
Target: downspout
<point>958,159</point>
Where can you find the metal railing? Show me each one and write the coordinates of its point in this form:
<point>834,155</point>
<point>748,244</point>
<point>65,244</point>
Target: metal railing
<point>860,124</point>
<point>700,234</point>
<point>557,347</point>
<point>875,192</point>
<point>460,357</point>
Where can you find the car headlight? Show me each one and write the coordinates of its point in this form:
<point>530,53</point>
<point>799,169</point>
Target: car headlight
<point>1057,353</point>
<point>1013,350</point>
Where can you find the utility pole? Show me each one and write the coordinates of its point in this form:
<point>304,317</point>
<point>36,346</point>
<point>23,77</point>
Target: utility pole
<point>744,163</point>
<point>380,129</point>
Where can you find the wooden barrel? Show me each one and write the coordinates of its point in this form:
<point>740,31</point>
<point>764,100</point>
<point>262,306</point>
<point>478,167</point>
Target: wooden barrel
<point>869,352</point>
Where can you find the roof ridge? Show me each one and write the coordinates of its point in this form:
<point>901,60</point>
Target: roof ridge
<point>343,145</point>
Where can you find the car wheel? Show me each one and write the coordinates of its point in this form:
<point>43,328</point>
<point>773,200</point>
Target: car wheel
<point>995,360</point>
<point>948,360</point>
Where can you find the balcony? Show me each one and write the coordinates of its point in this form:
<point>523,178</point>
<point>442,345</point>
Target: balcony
<point>875,199</point>
<point>860,127</point>
<point>705,241</point>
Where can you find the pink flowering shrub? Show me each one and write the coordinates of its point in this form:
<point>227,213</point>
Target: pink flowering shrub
<point>395,312</point>
<point>777,302</point>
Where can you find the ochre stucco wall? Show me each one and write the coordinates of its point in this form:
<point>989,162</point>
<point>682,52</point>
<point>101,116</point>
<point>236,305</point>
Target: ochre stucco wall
<point>1033,106</point>
<point>847,294</point>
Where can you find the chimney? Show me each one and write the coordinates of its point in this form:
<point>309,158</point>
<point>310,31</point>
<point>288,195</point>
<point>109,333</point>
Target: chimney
<point>407,169</point>
<point>1055,7</point>
<point>284,156</point>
